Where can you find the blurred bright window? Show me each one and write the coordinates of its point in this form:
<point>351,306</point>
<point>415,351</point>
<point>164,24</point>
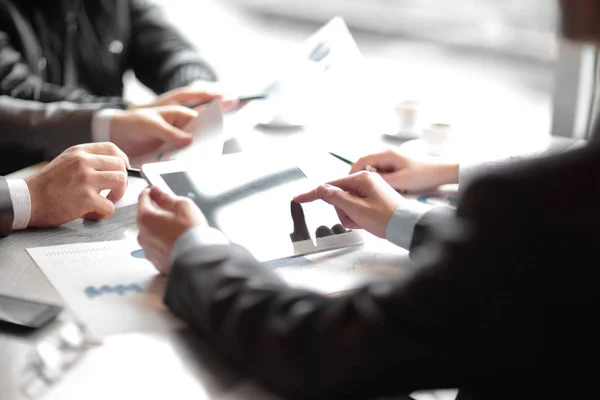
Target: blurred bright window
<point>524,27</point>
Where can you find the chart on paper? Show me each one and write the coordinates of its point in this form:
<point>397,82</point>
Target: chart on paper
<point>112,288</point>
<point>108,285</point>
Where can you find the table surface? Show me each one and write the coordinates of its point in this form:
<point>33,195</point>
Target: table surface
<point>185,363</point>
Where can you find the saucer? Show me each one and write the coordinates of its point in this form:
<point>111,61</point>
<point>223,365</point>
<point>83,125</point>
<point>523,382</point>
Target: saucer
<point>419,147</point>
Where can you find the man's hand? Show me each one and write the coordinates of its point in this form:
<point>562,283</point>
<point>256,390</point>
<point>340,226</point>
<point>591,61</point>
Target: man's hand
<point>69,187</point>
<point>362,201</point>
<point>191,96</point>
<point>162,219</point>
<point>406,174</point>
<point>198,92</point>
<point>140,131</point>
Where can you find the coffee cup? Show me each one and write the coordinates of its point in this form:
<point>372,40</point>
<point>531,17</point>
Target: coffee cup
<point>437,137</point>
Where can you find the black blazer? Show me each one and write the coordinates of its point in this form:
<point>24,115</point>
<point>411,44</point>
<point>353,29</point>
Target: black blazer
<point>6,209</point>
<point>103,38</point>
<point>107,38</point>
<point>503,306</point>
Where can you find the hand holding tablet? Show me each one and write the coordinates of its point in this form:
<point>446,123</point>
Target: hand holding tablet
<point>249,201</point>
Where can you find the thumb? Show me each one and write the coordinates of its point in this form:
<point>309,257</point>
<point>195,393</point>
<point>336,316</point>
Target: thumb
<point>171,134</point>
<point>403,180</point>
<point>338,198</point>
<point>177,116</point>
<point>101,208</point>
<point>385,161</point>
<point>162,199</point>
<point>190,96</point>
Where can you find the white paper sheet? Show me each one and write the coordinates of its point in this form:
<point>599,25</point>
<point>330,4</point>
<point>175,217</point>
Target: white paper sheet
<point>207,130</point>
<point>113,289</point>
<point>317,86</point>
<point>347,269</point>
<point>109,286</point>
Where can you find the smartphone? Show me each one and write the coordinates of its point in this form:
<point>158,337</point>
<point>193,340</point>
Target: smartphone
<point>26,313</point>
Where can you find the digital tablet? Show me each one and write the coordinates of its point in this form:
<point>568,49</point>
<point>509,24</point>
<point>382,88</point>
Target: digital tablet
<point>249,197</point>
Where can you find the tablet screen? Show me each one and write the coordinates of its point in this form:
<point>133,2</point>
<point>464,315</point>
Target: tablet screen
<point>252,205</point>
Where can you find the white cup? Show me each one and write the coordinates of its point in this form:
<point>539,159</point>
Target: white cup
<point>408,114</point>
<point>437,137</point>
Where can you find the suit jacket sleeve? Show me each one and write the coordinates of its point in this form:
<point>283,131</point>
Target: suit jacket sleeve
<point>474,315</point>
<point>48,128</point>
<point>425,229</point>
<point>6,209</point>
<point>389,337</point>
<point>18,81</point>
<point>162,59</point>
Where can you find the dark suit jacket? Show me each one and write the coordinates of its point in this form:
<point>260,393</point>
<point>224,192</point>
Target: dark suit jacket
<point>503,306</point>
<point>6,209</point>
<point>104,38</point>
<point>108,38</point>
<point>31,131</point>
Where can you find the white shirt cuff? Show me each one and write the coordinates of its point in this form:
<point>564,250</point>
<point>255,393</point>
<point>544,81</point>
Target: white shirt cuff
<point>21,201</point>
<point>101,124</point>
<point>196,237</point>
<point>401,226</point>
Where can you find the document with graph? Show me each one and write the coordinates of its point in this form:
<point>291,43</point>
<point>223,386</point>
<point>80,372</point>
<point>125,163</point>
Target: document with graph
<point>109,286</point>
<point>113,289</point>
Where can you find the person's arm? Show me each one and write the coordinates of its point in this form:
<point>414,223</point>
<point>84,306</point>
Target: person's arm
<point>413,225</point>
<point>161,58</point>
<point>389,337</point>
<point>482,312</point>
<point>18,80</point>
<point>15,205</point>
<point>46,127</point>
<point>67,188</point>
<point>306,345</point>
<point>425,229</point>
<point>469,172</point>
<point>406,222</point>
<point>410,175</point>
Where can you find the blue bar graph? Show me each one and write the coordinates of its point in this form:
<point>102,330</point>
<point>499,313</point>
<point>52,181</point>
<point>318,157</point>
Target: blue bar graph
<point>93,292</point>
<point>287,262</point>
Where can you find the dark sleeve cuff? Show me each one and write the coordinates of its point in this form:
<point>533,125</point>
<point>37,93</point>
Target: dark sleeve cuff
<point>427,226</point>
<point>187,74</point>
<point>103,102</point>
<point>6,209</point>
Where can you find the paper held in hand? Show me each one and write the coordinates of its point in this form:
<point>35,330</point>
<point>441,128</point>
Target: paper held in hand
<point>207,130</point>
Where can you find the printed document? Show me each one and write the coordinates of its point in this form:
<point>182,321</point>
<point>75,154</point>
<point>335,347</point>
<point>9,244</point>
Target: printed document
<point>109,286</point>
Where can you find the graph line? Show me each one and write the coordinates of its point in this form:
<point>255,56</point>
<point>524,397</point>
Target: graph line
<point>92,291</point>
